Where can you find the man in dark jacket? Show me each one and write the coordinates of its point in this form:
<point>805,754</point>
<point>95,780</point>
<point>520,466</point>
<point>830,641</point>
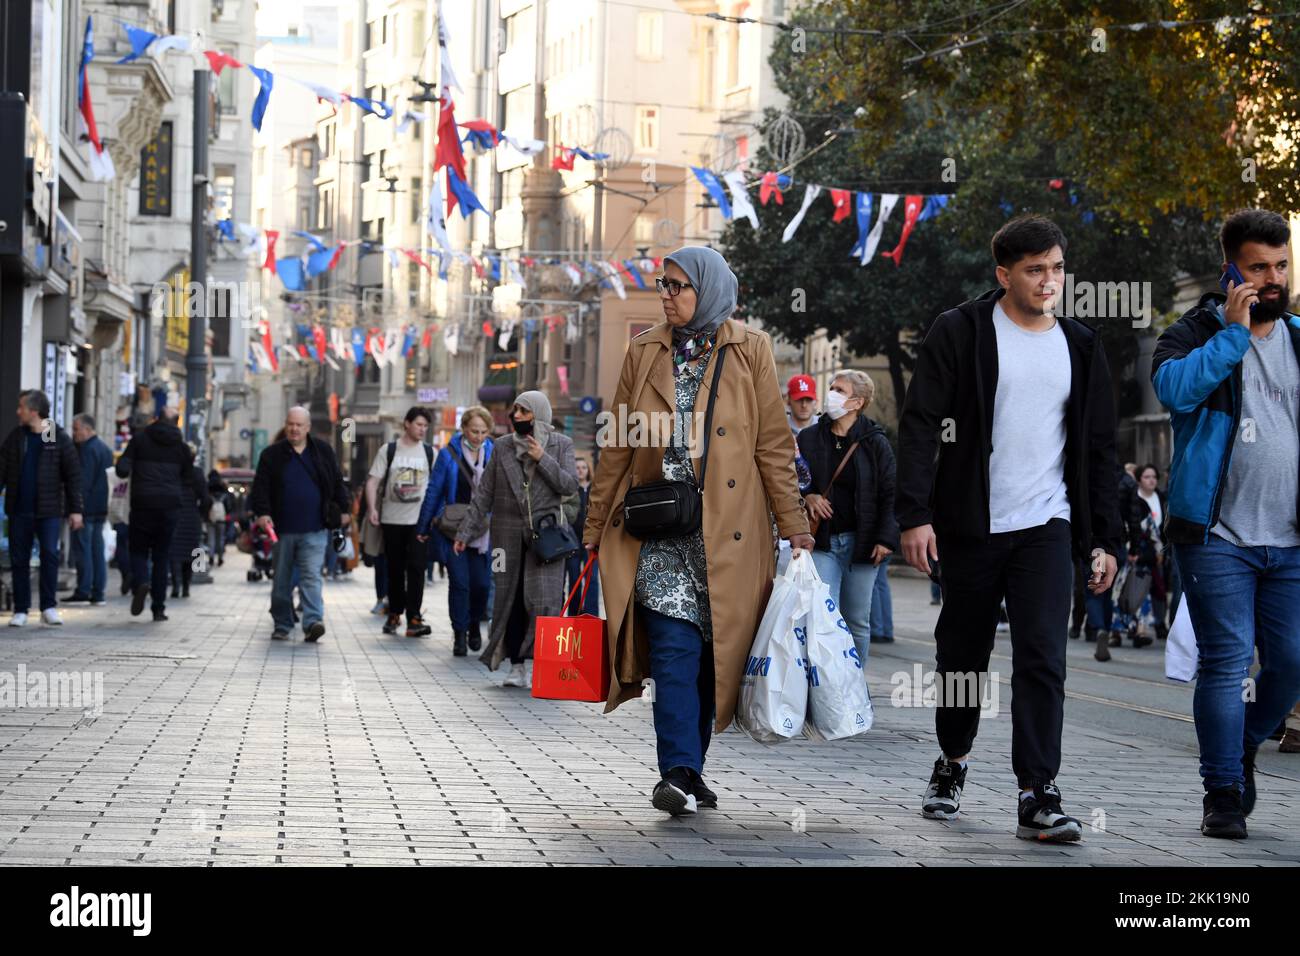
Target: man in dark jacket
<point>1229,373</point>
<point>159,464</point>
<point>1016,405</point>
<point>299,495</point>
<point>95,460</point>
<point>41,479</point>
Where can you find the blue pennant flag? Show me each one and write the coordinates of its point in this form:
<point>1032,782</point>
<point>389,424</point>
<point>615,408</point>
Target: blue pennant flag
<point>635,273</point>
<point>444,260</point>
<point>934,205</point>
<point>289,269</point>
<point>376,107</point>
<point>319,261</point>
<point>140,40</point>
<point>316,244</point>
<point>227,229</point>
<point>265,78</point>
<point>496,267</point>
<point>359,347</point>
<point>481,138</point>
<point>863,209</point>
<point>464,195</point>
<point>710,182</point>
<point>591,156</point>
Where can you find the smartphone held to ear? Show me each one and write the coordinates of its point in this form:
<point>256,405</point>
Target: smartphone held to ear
<point>1233,274</point>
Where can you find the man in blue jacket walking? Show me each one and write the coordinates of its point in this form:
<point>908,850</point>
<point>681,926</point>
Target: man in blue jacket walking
<point>96,459</point>
<point>1229,373</point>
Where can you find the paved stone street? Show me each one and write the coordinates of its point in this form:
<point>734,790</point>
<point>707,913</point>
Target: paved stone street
<point>217,746</point>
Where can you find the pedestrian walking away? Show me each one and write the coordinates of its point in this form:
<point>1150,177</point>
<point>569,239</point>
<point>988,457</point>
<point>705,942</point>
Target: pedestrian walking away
<point>40,475</point>
<point>163,479</point>
<point>1006,476</point>
<point>457,472</point>
<point>853,473</point>
<point>398,479</point>
<point>95,460</point>
<point>524,484</point>
<point>299,497</point>
<point>662,623</point>
<point>1229,373</point>
<point>186,548</point>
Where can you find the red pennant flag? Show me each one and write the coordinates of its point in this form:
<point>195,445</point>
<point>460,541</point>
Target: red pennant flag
<point>338,251</point>
<point>911,210</point>
<point>269,346</point>
<point>414,258</point>
<point>318,334</point>
<point>563,158</point>
<point>371,344</point>
<point>449,151</point>
<point>218,60</point>
<point>478,267</point>
<point>843,200</point>
<point>302,350</point>
<point>271,236</point>
<point>769,187</point>
<point>427,340</point>
<point>487,329</point>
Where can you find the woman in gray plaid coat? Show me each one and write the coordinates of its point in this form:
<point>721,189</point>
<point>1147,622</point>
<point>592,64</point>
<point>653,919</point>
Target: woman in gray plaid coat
<point>531,469</point>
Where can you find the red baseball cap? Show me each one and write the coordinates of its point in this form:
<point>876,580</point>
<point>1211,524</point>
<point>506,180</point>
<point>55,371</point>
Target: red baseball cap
<point>801,386</point>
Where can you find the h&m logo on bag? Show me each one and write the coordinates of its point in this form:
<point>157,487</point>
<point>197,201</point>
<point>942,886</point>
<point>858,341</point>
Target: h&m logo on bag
<point>758,666</point>
<point>567,638</point>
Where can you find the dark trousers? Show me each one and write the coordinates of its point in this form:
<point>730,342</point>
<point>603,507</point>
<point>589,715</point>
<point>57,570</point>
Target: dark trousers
<point>573,569</point>
<point>468,580</point>
<point>681,663</point>
<point>122,556</point>
<point>151,539</point>
<point>1033,569</point>
<point>517,625</point>
<point>24,530</point>
<point>405,569</point>
<point>381,576</point>
<point>182,575</point>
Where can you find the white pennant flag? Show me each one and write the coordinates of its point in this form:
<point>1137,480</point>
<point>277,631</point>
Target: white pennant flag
<point>437,219</point>
<point>810,192</point>
<point>449,81</point>
<point>572,272</point>
<point>887,203</point>
<point>451,338</point>
<point>339,345</point>
<point>615,279</point>
<point>570,329</point>
<point>407,119</point>
<point>740,201</point>
<point>507,329</point>
<point>332,364</point>
<point>173,42</point>
<point>393,344</point>
<point>101,165</point>
<point>322,92</point>
<point>516,275</point>
<point>524,144</point>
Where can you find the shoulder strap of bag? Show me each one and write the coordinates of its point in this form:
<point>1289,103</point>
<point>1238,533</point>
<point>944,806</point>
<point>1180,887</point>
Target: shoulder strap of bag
<point>383,485</point>
<point>464,466</point>
<point>708,412</point>
<point>843,461</point>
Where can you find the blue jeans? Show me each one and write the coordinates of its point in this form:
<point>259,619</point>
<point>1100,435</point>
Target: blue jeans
<point>303,554</point>
<point>882,602</point>
<point>1239,598</point>
<point>468,581</point>
<point>92,572</point>
<point>1101,610</point>
<point>573,569</point>
<point>851,587</point>
<point>681,664</point>
<point>24,531</point>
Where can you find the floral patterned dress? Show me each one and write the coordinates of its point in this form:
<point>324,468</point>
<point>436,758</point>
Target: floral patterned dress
<point>672,573</point>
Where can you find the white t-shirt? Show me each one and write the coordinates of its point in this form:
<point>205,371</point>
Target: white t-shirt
<point>1153,502</point>
<point>407,482</point>
<point>1027,464</point>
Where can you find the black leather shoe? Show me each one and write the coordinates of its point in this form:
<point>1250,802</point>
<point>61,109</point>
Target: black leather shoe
<point>1223,815</point>
<point>160,616</point>
<point>475,638</point>
<point>315,633</point>
<point>138,597</point>
<point>459,646</point>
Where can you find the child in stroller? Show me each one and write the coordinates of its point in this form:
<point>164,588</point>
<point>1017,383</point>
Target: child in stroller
<point>261,545</point>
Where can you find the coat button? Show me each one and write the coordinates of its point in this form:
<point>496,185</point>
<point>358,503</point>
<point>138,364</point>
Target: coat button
<point>721,430</point>
<point>737,536</point>
<point>731,482</point>
<point>616,520</point>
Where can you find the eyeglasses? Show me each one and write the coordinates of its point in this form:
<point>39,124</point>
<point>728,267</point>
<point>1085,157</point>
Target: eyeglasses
<point>672,285</point>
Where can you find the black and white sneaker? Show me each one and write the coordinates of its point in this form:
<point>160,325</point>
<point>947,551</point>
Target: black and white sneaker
<point>1041,818</point>
<point>674,793</point>
<point>704,797</point>
<point>943,795</point>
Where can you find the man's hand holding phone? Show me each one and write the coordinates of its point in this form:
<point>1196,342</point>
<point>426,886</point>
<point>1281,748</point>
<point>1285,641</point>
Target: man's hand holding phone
<point>1242,297</point>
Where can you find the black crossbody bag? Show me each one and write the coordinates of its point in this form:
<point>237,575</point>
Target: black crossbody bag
<point>671,509</point>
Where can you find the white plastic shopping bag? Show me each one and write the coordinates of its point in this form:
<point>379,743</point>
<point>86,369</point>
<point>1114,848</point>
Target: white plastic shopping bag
<point>839,704</point>
<point>774,691</point>
<point>110,543</point>
<point>1181,655</point>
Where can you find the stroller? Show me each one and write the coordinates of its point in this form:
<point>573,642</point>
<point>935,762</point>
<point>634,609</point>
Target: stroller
<point>261,545</point>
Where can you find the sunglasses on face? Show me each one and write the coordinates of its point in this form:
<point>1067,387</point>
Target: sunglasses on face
<point>672,285</point>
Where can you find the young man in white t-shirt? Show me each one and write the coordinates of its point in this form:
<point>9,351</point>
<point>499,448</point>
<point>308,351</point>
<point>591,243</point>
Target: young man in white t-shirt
<point>1006,477</point>
<point>397,480</point>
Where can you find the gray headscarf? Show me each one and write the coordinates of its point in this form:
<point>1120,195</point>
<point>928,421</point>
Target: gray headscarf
<point>714,283</point>
<point>540,406</point>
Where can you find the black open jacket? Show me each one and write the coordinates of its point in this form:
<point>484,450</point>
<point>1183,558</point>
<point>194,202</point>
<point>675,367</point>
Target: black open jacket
<point>874,494</point>
<point>58,473</point>
<point>267,497</point>
<point>946,483</point>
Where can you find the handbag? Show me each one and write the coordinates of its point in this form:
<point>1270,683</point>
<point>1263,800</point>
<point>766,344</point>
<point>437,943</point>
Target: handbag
<point>448,522</point>
<point>550,542</point>
<point>570,654</point>
<point>814,522</point>
<point>671,509</point>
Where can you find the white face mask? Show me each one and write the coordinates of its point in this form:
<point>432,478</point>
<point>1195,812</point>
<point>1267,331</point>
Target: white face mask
<point>835,405</point>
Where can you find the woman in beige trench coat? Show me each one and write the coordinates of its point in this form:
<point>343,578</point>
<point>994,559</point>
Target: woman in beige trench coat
<point>684,611</point>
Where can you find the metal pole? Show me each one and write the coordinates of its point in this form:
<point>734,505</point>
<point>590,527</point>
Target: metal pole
<point>196,362</point>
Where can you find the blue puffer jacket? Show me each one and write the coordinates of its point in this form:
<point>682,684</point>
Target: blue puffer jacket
<point>445,487</point>
<point>1196,371</point>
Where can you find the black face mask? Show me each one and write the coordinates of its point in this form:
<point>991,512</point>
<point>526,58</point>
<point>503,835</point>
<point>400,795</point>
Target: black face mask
<point>524,428</point>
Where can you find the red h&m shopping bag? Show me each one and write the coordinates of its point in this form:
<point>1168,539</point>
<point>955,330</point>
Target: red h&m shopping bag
<point>570,659</point>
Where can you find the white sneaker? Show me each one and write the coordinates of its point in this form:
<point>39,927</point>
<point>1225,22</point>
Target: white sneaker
<point>50,616</point>
<point>18,620</point>
<point>516,676</point>
<point>528,674</point>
